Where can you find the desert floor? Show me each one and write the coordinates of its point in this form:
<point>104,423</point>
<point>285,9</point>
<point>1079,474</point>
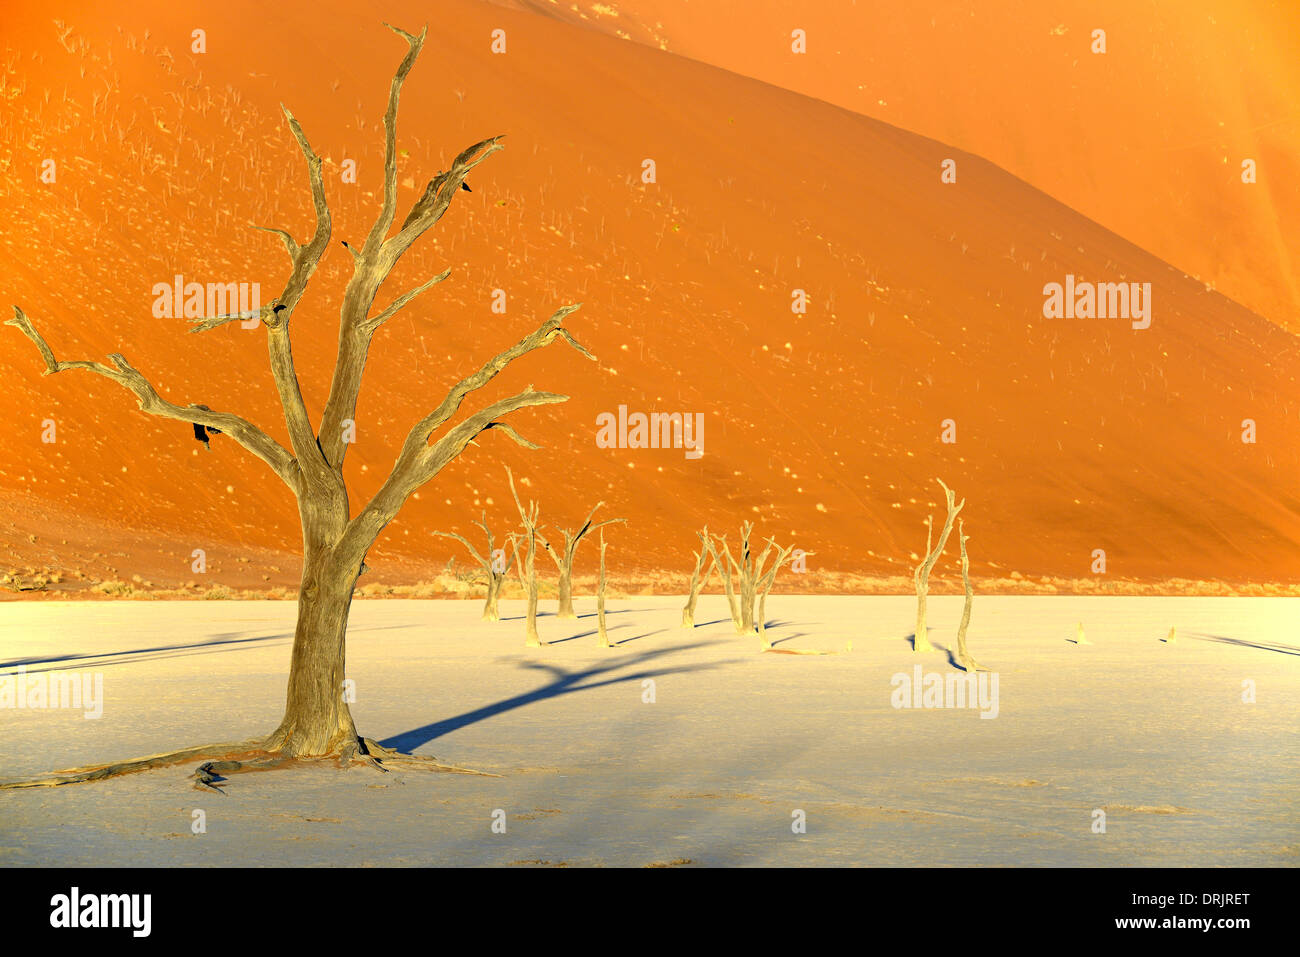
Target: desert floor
<point>735,742</point>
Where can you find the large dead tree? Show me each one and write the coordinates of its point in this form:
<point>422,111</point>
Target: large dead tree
<point>564,558</point>
<point>317,722</point>
<point>496,577</point>
<point>920,641</point>
<point>526,563</point>
<point>699,578</point>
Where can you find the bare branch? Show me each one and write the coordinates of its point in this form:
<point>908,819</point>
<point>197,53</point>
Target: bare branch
<point>375,322</point>
<point>127,376</point>
<point>507,430</point>
<point>437,197</point>
<point>544,335</point>
<point>472,550</point>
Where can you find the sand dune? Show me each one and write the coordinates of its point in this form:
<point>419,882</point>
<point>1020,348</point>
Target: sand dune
<point>925,304</point>
<point>1147,139</point>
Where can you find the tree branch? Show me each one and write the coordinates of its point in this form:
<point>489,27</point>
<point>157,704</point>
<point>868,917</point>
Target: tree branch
<point>126,375</point>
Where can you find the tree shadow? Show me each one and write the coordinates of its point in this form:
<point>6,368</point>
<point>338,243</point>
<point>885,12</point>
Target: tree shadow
<point>562,682</point>
<point>1241,642</point>
<point>217,643</point>
<point>657,631</point>
<point>782,641</point>
<point>617,611</point>
<point>705,624</point>
<point>588,634</point>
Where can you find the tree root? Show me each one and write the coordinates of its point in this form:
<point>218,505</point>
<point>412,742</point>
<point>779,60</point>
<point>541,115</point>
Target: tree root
<point>222,760</point>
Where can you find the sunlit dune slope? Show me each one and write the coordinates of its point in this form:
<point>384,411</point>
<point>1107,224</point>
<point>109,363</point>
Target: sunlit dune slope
<point>1147,139</point>
<point>924,304</point>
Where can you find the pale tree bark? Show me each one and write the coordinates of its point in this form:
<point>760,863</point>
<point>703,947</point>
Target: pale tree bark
<point>526,565</point>
<point>317,722</point>
<point>713,544</point>
<point>699,578</point>
<point>564,559</point>
<point>964,659</point>
<point>747,572</point>
<point>495,577</point>
<point>921,576</point>
<point>600,598</point>
<point>783,557</point>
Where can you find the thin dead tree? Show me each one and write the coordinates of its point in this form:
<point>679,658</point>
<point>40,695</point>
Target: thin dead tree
<point>699,578</point>
<point>600,597</point>
<point>920,640</point>
<point>717,546</point>
<point>317,722</point>
<point>964,659</point>
<point>784,556</point>
<point>564,558</point>
<point>496,576</point>
<point>750,572</point>
<point>526,563</point>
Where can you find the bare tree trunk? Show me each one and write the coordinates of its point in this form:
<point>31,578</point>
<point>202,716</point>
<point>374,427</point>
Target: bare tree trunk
<point>964,658</point>
<point>698,580</point>
<point>531,638</point>
<point>317,720</point>
<point>565,609</point>
<point>920,639</point>
<point>491,611</point>
<point>527,565</point>
<point>765,587</point>
<point>765,643</point>
<point>600,598</point>
<point>725,570</point>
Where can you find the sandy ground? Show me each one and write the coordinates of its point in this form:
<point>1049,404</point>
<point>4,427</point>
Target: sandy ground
<point>710,772</point>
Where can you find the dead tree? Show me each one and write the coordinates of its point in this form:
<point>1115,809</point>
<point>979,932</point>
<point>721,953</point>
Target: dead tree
<point>526,563</point>
<point>921,576</point>
<point>495,577</point>
<point>783,556</point>
<point>600,597</point>
<point>317,722</point>
<point>717,546</point>
<point>698,580</point>
<point>748,572</point>
<point>564,559</point>
<point>964,659</point>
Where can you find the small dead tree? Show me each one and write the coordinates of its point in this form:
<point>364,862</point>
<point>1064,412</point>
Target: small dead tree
<point>525,563</point>
<point>600,597</point>
<point>317,722</point>
<point>784,556</point>
<point>496,576</point>
<point>731,572</point>
<point>699,578</point>
<point>750,572</point>
<point>921,576</point>
<point>964,659</point>
<point>564,559</point>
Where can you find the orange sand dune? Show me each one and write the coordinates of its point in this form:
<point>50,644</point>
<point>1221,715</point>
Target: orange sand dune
<point>1147,138</point>
<point>925,304</point>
